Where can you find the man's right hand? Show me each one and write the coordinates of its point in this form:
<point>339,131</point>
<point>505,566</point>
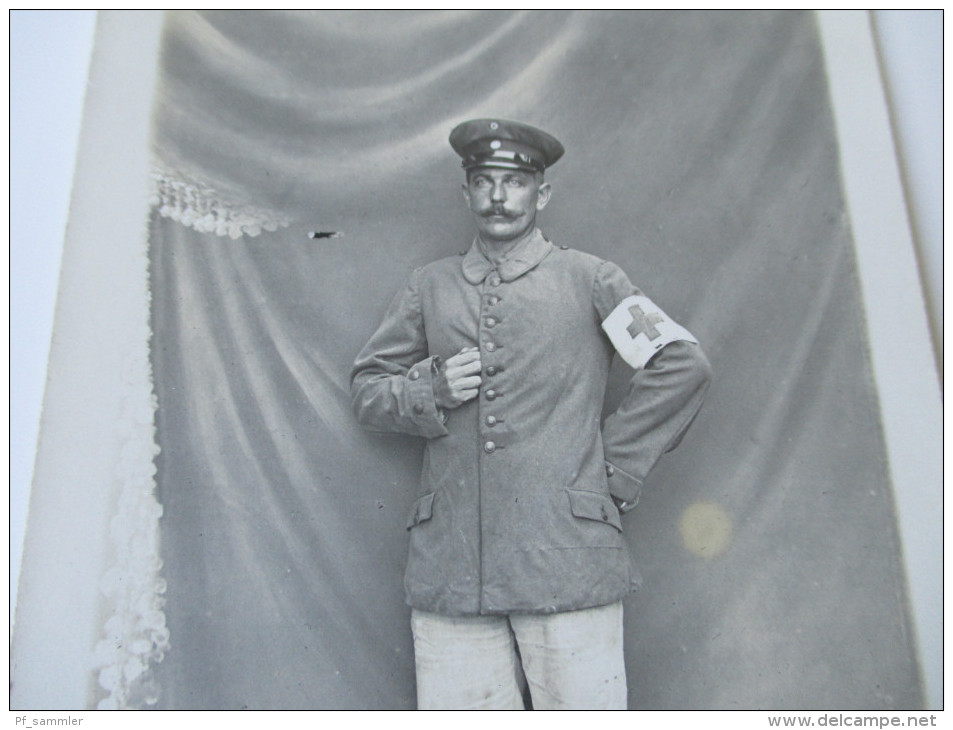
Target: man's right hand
<point>458,379</point>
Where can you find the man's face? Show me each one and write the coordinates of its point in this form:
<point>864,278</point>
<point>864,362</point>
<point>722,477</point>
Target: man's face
<point>505,202</point>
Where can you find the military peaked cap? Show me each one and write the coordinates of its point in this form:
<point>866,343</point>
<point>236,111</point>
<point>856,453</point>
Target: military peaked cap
<point>502,143</point>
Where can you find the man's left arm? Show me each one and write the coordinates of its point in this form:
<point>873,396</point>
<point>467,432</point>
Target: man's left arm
<point>670,379</point>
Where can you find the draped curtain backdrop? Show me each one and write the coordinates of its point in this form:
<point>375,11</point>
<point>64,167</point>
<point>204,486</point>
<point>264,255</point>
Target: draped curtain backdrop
<point>302,170</point>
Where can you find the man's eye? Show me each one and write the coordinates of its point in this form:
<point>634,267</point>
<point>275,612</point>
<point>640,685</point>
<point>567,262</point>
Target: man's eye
<point>515,182</point>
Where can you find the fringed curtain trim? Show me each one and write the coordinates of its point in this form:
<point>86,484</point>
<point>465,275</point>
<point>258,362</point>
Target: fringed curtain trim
<point>207,210</point>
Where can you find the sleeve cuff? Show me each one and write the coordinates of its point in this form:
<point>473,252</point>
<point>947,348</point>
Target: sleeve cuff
<point>428,418</point>
<point>624,488</point>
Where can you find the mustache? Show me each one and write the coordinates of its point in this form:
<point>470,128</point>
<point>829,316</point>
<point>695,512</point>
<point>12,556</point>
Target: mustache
<point>498,210</point>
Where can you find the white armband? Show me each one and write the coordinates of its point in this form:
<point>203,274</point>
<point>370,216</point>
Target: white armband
<point>638,329</point>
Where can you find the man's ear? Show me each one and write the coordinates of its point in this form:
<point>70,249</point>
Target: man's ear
<point>466,193</point>
<point>545,193</point>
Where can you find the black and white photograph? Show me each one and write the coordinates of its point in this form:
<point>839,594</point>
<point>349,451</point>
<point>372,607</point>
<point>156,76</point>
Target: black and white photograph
<point>487,359</point>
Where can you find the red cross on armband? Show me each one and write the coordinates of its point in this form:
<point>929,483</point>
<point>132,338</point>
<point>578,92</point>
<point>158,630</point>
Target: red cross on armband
<point>638,329</point>
<point>642,322</point>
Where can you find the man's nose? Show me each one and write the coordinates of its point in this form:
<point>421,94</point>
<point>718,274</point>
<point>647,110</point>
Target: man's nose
<point>498,193</point>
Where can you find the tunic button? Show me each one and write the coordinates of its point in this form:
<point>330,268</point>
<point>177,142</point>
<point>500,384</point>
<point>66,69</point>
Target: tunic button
<point>490,347</point>
<point>491,420</point>
<point>490,322</point>
<point>610,470</point>
<point>491,394</point>
<point>418,409</point>
<point>489,447</point>
<point>492,370</point>
<point>414,375</point>
<point>494,280</point>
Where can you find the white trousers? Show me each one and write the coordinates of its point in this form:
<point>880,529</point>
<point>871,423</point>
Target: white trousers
<point>571,660</point>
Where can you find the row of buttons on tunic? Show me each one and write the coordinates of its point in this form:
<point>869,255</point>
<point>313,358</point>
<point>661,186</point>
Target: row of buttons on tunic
<point>491,394</point>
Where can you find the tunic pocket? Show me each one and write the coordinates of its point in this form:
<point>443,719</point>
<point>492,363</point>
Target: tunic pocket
<point>421,510</point>
<point>594,506</point>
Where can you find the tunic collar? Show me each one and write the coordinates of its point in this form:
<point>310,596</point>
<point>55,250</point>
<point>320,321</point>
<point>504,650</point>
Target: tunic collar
<point>521,259</point>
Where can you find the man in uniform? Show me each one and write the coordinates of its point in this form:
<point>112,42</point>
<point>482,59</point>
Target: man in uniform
<point>500,360</point>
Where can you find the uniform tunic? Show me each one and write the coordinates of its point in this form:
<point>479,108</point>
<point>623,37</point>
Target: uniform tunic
<point>514,512</point>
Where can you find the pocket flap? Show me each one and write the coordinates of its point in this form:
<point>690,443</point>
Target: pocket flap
<point>421,510</point>
<point>594,506</point>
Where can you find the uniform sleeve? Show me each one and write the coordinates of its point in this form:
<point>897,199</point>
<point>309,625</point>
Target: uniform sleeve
<point>392,377</point>
<point>671,376</point>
